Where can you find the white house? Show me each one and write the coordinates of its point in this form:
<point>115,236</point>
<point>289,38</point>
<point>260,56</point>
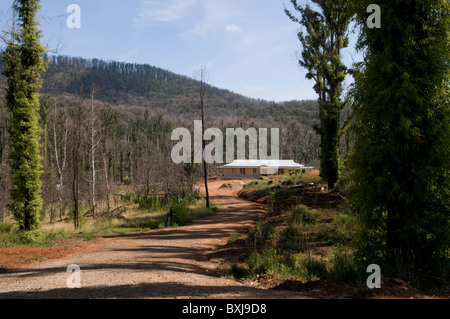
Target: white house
<point>250,169</point>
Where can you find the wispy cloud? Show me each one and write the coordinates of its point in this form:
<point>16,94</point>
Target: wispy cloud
<point>233,28</point>
<point>213,16</point>
<point>162,11</point>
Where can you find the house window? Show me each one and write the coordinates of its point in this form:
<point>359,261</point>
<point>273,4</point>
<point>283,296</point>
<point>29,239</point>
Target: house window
<point>242,171</point>
<point>255,171</point>
<point>233,171</point>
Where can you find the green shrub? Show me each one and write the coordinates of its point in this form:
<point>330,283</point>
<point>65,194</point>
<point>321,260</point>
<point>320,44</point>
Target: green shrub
<point>179,208</point>
<point>341,229</point>
<point>262,235</point>
<point>151,203</point>
<point>6,228</point>
<point>239,272</point>
<point>311,216</point>
<point>292,239</point>
<point>296,216</point>
<point>87,237</point>
<point>151,224</point>
<point>343,266</point>
<point>316,269</point>
<point>302,214</point>
<point>57,235</point>
<point>311,268</point>
<point>287,181</point>
<point>255,263</point>
<point>31,237</point>
<point>270,262</point>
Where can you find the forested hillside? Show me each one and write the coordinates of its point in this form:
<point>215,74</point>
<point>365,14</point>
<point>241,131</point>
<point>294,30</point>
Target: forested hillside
<point>120,83</point>
<point>108,123</point>
<point>145,87</point>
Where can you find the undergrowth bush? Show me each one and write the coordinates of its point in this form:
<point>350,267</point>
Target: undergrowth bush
<point>293,239</point>
<point>262,235</point>
<point>179,208</point>
<point>344,266</point>
<point>31,237</point>
<point>151,203</point>
<point>316,269</point>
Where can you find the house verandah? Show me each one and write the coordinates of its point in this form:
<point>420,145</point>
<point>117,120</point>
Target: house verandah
<point>251,169</point>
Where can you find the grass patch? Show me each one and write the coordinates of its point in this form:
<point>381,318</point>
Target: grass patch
<point>239,272</point>
<point>87,237</point>
<point>343,266</point>
<point>38,258</point>
<point>340,230</point>
<point>140,216</point>
<point>233,237</point>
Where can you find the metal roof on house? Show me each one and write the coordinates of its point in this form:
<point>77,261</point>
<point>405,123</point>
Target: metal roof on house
<point>289,164</point>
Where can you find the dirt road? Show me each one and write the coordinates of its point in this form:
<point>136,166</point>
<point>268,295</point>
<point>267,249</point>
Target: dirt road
<point>165,264</point>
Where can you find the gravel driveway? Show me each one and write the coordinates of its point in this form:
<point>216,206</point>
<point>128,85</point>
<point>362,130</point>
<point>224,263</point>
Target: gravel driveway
<point>161,264</point>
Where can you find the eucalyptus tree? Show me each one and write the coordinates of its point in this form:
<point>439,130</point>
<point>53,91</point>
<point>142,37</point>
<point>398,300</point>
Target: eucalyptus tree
<point>323,36</point>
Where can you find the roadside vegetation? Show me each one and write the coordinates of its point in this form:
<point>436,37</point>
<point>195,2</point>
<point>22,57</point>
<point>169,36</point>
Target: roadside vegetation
<point>308,234</point>
<point>305,235</point>
<point>133,214</point>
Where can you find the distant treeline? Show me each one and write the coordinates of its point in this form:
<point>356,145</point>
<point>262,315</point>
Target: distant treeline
<point>121,83</point>
<point>112,66</point>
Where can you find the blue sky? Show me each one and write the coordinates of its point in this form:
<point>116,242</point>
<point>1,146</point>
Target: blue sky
<point>248,46</point>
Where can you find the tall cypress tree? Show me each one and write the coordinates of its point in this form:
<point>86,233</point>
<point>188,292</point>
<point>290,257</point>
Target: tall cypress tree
<point>401,160</point>
<point>323,37</point>
<point>24,65</point>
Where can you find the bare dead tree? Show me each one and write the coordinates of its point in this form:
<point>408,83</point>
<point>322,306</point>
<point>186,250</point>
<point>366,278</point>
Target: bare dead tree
<point>202,92</point>
<point>108,189</point>
<point>77,139</point>
<point>93,143</point>
<point>60,154</point>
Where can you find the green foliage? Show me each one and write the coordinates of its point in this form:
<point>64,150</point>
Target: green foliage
<point>151,203</point>
<point>293,239</point>
<point>31,237</point>
<point>296,215</point>
<point>233,237</point>
<point>287,181</point>
<point>311,216</point>
<point>6,228</point>
<point>262,234</point>
<point>270,262</point>
<point>315,269</point>
<point>86,237</point>
<point>323,37</point>
<point>239,271</point>
<point>302,214</point>
<point>183,213</point>
<point>179,207</point>
<point>399,167</point>
<point>23,68</point>
<point>344,267</point>
<point>342,230</point>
